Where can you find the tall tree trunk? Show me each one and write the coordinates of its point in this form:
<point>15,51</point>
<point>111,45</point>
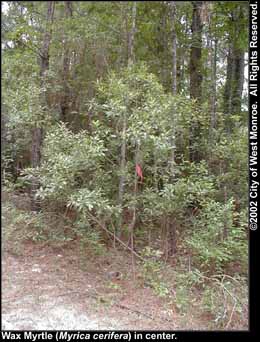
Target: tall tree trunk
<point>163,47</point>
<point>196,73</point>
<point>238,80</point>
<point>131,55</point>
<point>65,98</point>
<point>196,52</point>
<point>228,88</point>
<point>121,188</point>
<point>213,98</point>
<point>235,70</point>
<point>234,83</point>
<point>130,60</point>
<point>37,132</point>
<point>121,59</point>
<point>134,217</point>
<point>181,82</point>
<point>213,48</point>
<point>174,48</point>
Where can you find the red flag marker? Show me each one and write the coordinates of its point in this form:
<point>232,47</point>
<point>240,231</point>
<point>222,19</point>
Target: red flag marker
<point>139,171</point>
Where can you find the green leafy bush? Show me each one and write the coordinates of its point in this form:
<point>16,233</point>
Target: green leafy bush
<point>215,242</point>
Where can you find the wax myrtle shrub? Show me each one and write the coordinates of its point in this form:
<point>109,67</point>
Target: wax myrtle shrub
<point>146,126</point>
<point>93,171</point>
<point>134,122</point>
<point>73,176</point>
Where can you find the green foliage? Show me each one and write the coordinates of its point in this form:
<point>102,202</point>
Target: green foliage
<point>175,198</point>
<point>229,163</point>
<point>21,225</point>
<point>91,243</point>
<point>72,174</point>
<point>15,232</point>
<point>219,297</point>
<point>75,170</point>
<point>151,273</point>
<point>69,161</point>
<point>152,120</point>
<point>215,242</point>
<point>223,298</point>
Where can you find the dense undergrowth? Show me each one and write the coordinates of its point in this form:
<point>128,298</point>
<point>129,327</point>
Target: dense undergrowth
<point>183,222</point>
<point>199,206</point>
<point>218,300</point>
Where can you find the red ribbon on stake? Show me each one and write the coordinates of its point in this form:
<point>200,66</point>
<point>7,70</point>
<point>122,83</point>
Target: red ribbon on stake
<point>139,171</point>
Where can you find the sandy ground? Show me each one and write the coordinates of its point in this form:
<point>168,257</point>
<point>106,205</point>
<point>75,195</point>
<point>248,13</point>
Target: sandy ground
<point>44,290</point>
<point>42,308</point>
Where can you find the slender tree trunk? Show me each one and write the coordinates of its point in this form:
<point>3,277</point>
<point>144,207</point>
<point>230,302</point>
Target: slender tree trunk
<point>65,98</point>
<point>131,55</point>
<point>134,217</point>
<point>174,81</point>
<point>122,171</point>
<point>37,132</point>
<point>213,77</point>
<point>181,70</point>
<point>164,44</point>
<point>228,87</point>
<point>213,91</point>
<point>196,73</point>
<point>196,53</point>
<point>225,226</point>
<point>121,60</point>
<point>174,49</point>
<point>213,97</point>
<point>183,82</point>
<point>130,60</point>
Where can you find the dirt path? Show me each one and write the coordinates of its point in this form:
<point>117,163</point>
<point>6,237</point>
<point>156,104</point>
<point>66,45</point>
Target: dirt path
<point>37,298</point>
<point>45,289</point>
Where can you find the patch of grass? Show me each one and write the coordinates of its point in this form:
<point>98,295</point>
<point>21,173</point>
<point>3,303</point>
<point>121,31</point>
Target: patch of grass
<point>114,286</point>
